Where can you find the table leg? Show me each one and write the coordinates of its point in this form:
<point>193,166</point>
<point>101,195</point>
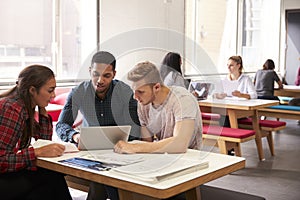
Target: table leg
<point>256,128</point>
<point>193,194</point>
<point>233,119</point>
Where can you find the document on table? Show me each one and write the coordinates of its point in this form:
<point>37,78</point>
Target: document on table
<point>229,86</point>
<point>70,147</point>
<point>161,167</point>
<point>115,158</point>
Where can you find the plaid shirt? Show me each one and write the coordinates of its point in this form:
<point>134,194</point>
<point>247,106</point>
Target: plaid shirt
<point>117,108</point>
<point>13,118</point>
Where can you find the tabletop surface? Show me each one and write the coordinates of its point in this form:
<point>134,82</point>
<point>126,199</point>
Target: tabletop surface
<point>291,87</point>
<point>217,162</point>
<point>238,103</point>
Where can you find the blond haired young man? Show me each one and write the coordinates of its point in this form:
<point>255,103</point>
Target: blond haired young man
<point>169,116</point>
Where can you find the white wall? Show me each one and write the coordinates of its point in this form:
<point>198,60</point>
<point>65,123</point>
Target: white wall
<point>139,30</point>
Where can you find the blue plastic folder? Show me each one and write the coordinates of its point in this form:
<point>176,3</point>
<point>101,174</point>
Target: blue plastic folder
<point>86,163</point>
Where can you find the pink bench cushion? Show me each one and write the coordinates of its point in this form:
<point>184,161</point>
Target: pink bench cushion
<point>210,116</point>
<point>227,132</point>
<point>264,123</point>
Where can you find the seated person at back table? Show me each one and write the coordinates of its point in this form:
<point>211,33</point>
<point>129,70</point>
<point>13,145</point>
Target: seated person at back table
<point>103,101</point>
<point>264,81</point>
<point>245,85</point>
<point>170,70</point>
<point>169,116</point>
<point>20,178</point>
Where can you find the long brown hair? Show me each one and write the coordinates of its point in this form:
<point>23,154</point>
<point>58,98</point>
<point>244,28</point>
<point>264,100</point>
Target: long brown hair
<point>269,64</point>
<point>36,76</point>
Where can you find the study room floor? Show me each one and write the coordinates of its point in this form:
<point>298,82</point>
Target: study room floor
<point>275,178</point>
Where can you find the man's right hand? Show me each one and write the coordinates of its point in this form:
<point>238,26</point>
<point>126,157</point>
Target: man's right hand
<point>76,138</point>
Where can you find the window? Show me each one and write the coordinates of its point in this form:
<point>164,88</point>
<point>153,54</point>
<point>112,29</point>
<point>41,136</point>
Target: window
<point>250,28</point>
<point>211,37</point>
<point>60,34</point>
<point>260,33</point>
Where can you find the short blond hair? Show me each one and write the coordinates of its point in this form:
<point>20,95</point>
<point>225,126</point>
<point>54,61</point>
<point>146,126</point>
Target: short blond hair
<point>146,72</point>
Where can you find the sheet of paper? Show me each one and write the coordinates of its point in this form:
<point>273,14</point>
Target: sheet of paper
<point>115,158</point>
<point>70,147</point>
<point>229,86</point>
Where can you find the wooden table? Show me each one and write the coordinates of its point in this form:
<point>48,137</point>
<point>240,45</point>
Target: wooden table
<point>237,108</point>
<point>288,91</point>
<point>130,188</point>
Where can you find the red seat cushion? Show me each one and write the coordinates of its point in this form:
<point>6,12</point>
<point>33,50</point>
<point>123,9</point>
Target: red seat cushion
<point>264,123</point>
<point>210,116</point>
<point>227,132</point>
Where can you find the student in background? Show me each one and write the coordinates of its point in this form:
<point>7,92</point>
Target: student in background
<point>170,116</point>
<point>170,70</point>
<point>264,81</point>
<point>20,178</point>
<point>245,87</point>
<point>103,101</point>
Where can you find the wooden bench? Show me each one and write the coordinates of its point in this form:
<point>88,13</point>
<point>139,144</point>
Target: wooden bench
<point>226,138</point>
<point>281,111</point>
<point>210,118</point>
<point>266,126</point>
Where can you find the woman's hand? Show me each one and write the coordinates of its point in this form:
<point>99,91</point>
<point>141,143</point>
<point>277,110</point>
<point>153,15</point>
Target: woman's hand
<point>240,95</point>
<point>50,150</point>
<point>237,93</point>
<point>219,95</point>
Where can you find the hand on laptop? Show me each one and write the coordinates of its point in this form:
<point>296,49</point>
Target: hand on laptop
<point>76,138</point>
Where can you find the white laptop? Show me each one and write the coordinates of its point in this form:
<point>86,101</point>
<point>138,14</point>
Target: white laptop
<point>102,137</point>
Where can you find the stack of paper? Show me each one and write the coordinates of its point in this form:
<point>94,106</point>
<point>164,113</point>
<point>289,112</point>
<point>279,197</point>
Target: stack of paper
<point>161,167</point>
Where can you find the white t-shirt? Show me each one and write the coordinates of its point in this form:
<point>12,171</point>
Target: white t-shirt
<point>244,85</point>
<point>179,105</point>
